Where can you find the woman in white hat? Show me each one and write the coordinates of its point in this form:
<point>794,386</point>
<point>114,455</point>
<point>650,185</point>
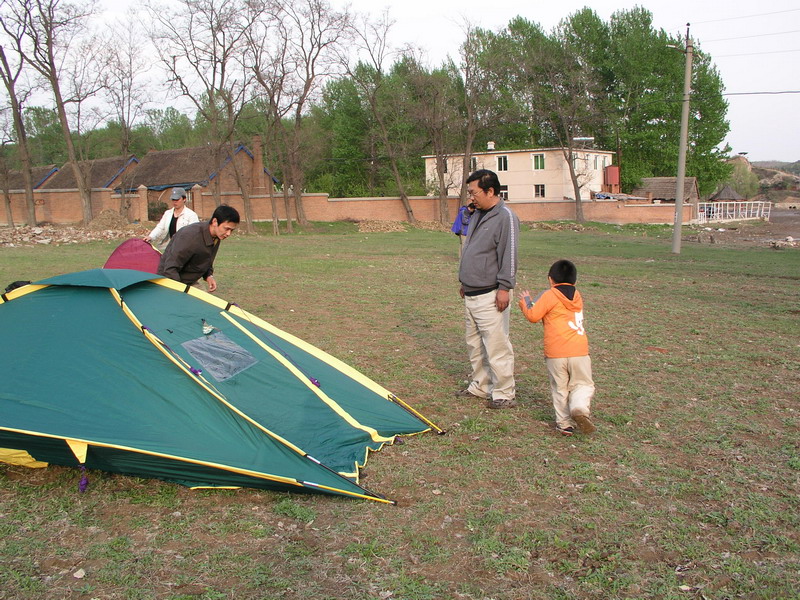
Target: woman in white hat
<point>173,219</point>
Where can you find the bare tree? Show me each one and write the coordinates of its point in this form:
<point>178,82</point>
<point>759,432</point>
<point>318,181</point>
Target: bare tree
<point>127,65</point>
<point>565,102</point>
<point>435,103</point>
<point>125,88</point>
<point>371,44</point>
<point>53,31</point>
<point>479,104</point>
<point>272,66</point>
<point>11,70</point>
<point>201,44</point>
<point>291,69</point>
<point>6,139</point>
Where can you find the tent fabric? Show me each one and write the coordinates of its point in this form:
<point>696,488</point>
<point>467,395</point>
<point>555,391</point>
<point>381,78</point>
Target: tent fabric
<point>134,254</point>
<point>99,359</point>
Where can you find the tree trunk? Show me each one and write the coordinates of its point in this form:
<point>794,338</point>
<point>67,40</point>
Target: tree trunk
<point>298,207</point>
<point>27,178</point>
<point>84,190</point>
<point>403,196</point>
<point>25,160</point>
<point>7,203</point>
<point>393,162</point>
<point>297,191</point>
<point>215,185</point>
<point>288,208</point>
<point>124,204</point>
<point>469,140</point>
<point>22,143</point>
<point>576,188</point>
<point>244,190</point>
<point>444,208</point>
<point>6,193</point>
<point>276,229</point>
<point>578,203</point>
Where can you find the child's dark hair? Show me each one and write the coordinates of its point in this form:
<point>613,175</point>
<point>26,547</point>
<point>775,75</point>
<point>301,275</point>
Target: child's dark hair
<point>563,271</point>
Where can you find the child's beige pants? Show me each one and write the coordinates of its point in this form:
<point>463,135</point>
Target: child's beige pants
<point>572,387</point>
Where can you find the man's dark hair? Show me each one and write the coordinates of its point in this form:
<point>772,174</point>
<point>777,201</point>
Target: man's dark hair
<point>225,213</point>
<point>563,271</point>
<point>16,284</point>
<point>486,180</point>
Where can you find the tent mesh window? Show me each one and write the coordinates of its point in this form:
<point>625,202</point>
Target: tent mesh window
<point>219,355</point>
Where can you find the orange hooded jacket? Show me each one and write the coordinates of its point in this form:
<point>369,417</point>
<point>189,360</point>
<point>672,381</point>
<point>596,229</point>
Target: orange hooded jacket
<point>564,335</point>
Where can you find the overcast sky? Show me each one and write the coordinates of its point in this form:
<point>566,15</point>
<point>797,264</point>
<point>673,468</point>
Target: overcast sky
<point>755,46</point>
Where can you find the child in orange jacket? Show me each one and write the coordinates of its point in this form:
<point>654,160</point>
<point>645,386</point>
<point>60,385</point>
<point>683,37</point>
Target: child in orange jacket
<point>566,347</point>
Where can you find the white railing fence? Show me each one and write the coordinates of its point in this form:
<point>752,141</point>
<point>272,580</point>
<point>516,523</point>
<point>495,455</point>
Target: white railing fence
<point>733,211</point>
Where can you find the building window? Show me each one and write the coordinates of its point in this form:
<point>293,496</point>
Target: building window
<point>473,163</point>
<point>538,190</point>
<point>502,163</point>
<point>596,160</point>
<point>538,161</point>
<point>504,193</point>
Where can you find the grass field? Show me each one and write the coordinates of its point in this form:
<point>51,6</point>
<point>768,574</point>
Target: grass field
<point>689,489</point>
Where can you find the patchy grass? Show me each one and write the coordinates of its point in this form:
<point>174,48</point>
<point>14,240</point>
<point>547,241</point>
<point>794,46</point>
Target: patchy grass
<point>689,489</point>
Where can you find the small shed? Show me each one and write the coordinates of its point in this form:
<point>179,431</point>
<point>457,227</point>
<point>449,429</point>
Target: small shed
<point>726,194</point>
<point>663,189</point>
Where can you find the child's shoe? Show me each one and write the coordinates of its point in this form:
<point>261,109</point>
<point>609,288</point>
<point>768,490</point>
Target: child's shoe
<point>565,430</point>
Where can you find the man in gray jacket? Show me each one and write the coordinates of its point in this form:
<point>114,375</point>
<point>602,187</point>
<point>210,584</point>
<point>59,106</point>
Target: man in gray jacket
<point>488,274</point>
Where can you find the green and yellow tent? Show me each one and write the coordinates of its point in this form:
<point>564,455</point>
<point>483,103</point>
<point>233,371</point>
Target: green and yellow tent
<point>124,371</point>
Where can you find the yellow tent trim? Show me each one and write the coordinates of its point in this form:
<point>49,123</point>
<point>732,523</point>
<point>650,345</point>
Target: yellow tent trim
<point>225,467</point>
<point>79,449</point>
<point>21,291</point>
<point>162,347</point>
<point>20,458</point>
<point>376,437</point>
<point>332,360</point>
<point>234,309</point>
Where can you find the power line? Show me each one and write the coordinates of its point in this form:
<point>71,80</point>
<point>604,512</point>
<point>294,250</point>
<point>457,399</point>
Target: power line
<point>778,12</point>
<point>744,37</point>
<point>761,93</point>
<point>755,53</point>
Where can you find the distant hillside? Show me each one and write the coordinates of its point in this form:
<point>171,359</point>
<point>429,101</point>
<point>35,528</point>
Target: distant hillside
<point>787,167</point>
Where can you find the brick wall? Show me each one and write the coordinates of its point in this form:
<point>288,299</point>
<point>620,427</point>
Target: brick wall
<point>64,206</point>
<point>603,211</point>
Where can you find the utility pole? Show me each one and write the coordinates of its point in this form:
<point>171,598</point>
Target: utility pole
<point>679,191</point>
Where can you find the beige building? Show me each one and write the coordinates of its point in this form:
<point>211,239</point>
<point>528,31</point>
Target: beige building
<point>539,174</point>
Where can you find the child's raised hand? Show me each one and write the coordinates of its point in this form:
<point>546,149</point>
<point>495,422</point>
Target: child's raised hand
<point>525,299</point>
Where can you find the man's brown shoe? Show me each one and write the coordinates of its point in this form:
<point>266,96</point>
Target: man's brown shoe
<point>584,424</point>
<point>465,393</point>
<point>501,403</point>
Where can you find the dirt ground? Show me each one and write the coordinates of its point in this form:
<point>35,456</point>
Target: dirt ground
<point>781,231</point>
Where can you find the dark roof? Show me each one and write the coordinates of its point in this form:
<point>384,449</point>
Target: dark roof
<point>183,167</point>
<point>726,193</point>
<point>15,180</point>
<point>663,188</point>
<point>103,172</point>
